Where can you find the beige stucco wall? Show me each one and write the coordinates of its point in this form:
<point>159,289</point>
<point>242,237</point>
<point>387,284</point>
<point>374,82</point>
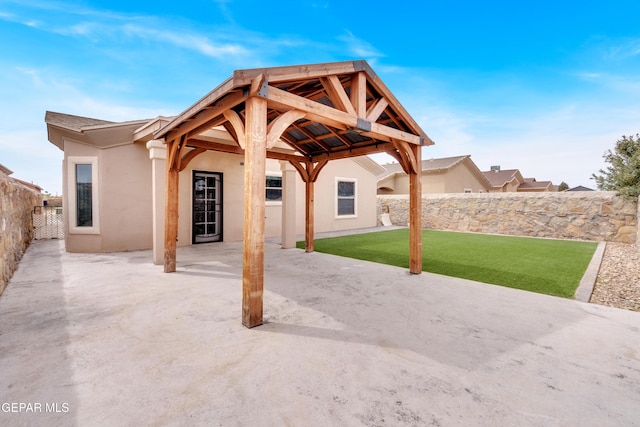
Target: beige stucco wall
<point>124,186</point>
<point>123,190</point>
<point>325,198</point>
<point>231,166</point>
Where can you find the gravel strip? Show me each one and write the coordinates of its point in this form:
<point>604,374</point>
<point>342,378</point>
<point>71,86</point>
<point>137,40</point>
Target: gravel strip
<point>618,283</point>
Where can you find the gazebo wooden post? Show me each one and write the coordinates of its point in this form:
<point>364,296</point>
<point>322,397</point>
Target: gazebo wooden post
<point>255,155</point>
<point>171,211</point>
<point>415,213</point>
<point>308,215</point>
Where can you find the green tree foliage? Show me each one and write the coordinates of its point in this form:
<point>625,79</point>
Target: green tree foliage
<point>563,186</point>
<point>623,173</point>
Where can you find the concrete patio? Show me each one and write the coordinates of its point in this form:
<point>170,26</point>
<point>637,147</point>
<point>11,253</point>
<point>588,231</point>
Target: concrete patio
<point>109,339</point>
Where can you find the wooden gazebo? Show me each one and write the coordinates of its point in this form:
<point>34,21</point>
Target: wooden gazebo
<point>323,112</point>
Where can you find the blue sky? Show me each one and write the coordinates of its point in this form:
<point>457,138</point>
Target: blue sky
<point>545,87</point>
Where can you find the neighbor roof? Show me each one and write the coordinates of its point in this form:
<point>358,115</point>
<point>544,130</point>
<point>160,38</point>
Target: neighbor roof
<point>530,184</point>
<point>429,165</point>
<point>498,178</point>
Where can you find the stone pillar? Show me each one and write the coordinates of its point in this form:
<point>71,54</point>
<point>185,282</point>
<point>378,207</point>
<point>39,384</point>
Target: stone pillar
<point>158,155</point>
<point>288,239</point>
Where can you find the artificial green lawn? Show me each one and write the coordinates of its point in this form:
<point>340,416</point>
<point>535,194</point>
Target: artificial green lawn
<point>552,267</point>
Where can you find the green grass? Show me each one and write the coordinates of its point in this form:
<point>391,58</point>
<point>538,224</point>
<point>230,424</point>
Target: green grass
<point>552,267</point>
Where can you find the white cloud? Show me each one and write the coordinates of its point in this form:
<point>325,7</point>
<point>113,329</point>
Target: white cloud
<point>359,48</point>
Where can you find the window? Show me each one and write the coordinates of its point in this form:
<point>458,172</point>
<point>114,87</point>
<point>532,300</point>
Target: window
<point>82,178</point>
<point>345,197</point>
<point>84,193</point>
<point>274,188</point>
<point>468,190</point>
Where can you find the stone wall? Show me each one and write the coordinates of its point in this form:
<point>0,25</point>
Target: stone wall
<point>596,216</point>
<point>16,224</point>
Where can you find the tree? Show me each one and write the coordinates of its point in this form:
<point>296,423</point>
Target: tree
<point>563,186</point>
<point>623,173</point>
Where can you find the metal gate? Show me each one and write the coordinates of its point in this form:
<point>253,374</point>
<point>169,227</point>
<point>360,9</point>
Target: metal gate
<point>48,222</point>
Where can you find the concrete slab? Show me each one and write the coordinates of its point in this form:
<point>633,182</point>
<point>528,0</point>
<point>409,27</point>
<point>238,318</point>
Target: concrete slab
<point>109,339</point>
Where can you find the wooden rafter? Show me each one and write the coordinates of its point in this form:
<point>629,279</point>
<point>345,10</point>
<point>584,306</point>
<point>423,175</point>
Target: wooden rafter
<point>238,126</point>
<point>358,93</point>
<point>208,115</point>
<point>337,94</point>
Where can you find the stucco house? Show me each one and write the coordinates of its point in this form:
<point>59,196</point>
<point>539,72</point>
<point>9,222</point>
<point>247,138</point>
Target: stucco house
<point>109,169</point>
<point>457,174</point>
<point>508,180</point>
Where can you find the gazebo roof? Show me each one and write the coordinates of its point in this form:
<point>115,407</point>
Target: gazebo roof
<point>331,110</point>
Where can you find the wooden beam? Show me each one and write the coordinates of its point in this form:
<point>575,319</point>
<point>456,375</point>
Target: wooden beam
<point>207,114</point>
<point>321,113</point>
<point>238,126</point>
<point>315,169</point>
<point>337,94</point>
<point>374,112</point>
<point>256,84</point>
<point>277,127</point>
<point>234,149</point>
<point>190,156</point>
<point>309,215</point>
<point>171,214</point>
<point>301,170</point>
<point>415,215</point>
<point>296,72</point>
<point>206,126</point>
<point>281,99</point>
<point>382,147</point>
<point>254,210</point>
<point>387,133</point>
<point>358,93</point>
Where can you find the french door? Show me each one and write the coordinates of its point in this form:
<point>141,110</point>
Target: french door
<point>207,207</point>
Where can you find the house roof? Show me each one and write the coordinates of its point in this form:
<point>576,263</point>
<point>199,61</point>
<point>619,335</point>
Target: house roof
<point>71,122</point>
<point>328,111</point>
<point>530,184</point>
<point>5,170</point>
<point>428,166</point>
<point>580,188</point>
<point>498,178</point>
<point>90,131</point>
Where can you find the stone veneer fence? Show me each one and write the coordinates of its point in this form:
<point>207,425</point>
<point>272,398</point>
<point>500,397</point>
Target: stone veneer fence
<point>591,215</point>
<point>16,224</point>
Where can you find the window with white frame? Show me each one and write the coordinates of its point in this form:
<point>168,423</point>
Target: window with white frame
<point>82,187</point>
<point>273,187</point>
<point>346,197</point>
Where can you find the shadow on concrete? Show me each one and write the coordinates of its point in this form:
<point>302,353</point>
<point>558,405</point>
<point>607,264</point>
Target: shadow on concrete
<point>37,373</point>
<point>454,321</point>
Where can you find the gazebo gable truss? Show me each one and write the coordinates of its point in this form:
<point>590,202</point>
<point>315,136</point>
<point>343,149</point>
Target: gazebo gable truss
<point>322,112</point>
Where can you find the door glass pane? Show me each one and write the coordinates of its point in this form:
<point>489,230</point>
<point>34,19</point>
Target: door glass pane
<point>207,205</point>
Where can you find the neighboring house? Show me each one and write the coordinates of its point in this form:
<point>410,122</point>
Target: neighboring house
<point>109,174</point>
<point>445,175</point>
<point>511,180</point>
